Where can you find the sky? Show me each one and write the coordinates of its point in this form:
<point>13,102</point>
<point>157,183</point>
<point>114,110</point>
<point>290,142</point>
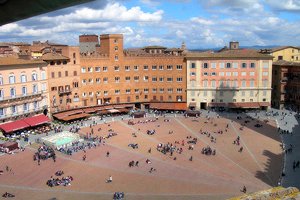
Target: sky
<point>200,24</point>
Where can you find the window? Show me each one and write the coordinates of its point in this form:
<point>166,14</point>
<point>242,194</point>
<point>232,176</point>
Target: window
<point>280,57</point>
<point>228,83</point>
<point>244,65</point>
<point>252,73</point>
<point>251,93</point>
<point>74,73</point>
<point>145,67</point>
<point>98,80</point>
<point>221,74</point>
<point>91,94</point>
<point>146,90</point>
<point>213,83</point>
<point>44,87</point>
<point>127,68</point>
<point>105,80</point>
<point>59,74</point>
<point>91,80</point>
<point>205,93</point>
<point>243,83</point>
<point>204,83</point>
<point>34,76</point>
<point>161,79</point>
<point>115,41</point>
<point>244,73</point>
<point>193,73</point>
<point>193,83</point>
<point>251,83</point>
<point>25,107</point>
<point>179,90</point>
<point>154,79</point>
<point>117,91</point>
<point>235,65</point>
<point>136,90</point>
<point>235,73</point>
<point>43,75</point>
<point>154,90</point>
<point>117,79</point>
<point>137,97</point>
<point>66,73</point>
<point>146,78</point>
<point>105,93</point>
<point>98,93</point>
<point>235,83</point>
<point>179,67</point>
<point>127,78</point>
<point>97,69</point>
<point>105,69</point>
<point>154,67</point>
<point>222,65</point>
<point>170,90</point>
<point>205,65</point>
<point>1,80</point>
<point>12,92</point>
<point>161,67</point>
<point>117,68</point>
<point>169,79</point>
<point>205,74</point>
<point>2,112</point>
<point>116,48</point>
<point>228,73</point>
<point>12,79</point>
<point>243,93</point>
<point>1,94</point>
<point>24,91</point>
<point>179,79</point>
<point>193,65</point>
<point>116,57</point>
<point>213,73</point>
<point>84,94</point>
<point>252,65</point>
<point>35,88</point>
<point>84,81</point>
<point>83,70</point>
<point>14,109</point>
<point>35,105</point>
<point>136,78</point>
<point>228,65</point>
<point>75,84</point>
<point>265,65</point>
<point>221,93</point>
<point>213,65</point>
<point>136,68</point>
<point>264,93</point>
<point>90,69</point>
<point>265,73</point>
<point>265,83</point>
<point>23,78</point>
<point>169,67</point>
<point>161,90</point>
<point>127,91</point>
<point>221,83</point>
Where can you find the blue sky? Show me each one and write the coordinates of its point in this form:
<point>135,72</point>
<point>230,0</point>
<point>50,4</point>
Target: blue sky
<point>198,23</point>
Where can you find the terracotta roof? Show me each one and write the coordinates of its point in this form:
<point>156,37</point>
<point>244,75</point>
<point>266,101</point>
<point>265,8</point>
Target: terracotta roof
<point>286,63</point>
<point>174,49</point>
<point>16,61</point>
<point>54,56</point>
<point>234,53</point>
<point>282,47</point>
<point>155,47</point>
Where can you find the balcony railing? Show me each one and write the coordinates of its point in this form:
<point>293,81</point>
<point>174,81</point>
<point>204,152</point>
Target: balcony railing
<point>16,114</point>
<point>64,91</point>
<point>7,98</point>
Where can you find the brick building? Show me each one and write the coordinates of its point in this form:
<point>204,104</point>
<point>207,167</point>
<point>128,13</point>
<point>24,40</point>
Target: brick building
<point>232,77</point>
<point>114,75</point>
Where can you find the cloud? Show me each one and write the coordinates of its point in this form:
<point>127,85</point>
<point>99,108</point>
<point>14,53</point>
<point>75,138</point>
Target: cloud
<point>111,12</point>
<point>202,21</point>
<point>287,5</point>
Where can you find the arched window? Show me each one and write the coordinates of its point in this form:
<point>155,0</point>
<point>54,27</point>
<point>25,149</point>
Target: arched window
<point>23,78</point>
<point>43,75</point>
<point>34,76</point>
<point>12,78</point>
<point>12,92</point>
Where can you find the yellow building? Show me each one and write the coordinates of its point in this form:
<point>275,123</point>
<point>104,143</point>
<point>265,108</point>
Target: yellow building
<point>287,53</point>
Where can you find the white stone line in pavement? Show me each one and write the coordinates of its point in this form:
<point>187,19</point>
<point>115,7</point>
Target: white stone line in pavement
<point>251,154</point>
<point>218,152</point>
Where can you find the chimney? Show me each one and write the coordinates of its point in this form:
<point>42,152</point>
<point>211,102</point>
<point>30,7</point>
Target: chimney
<point>233,45</point>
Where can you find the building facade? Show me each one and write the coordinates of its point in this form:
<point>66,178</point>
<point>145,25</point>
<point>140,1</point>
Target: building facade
<point>23,88</point>
<point>286,85</point>
<point>233,78</point>
<point>114,75</point>
<point>287,53</point>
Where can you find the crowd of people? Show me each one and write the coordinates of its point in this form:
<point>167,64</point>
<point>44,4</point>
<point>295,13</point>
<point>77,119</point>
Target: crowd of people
<point>44,152</point>
<point>63,181</point>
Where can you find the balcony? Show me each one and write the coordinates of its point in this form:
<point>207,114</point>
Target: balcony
<point>20,97</point>
<point>62,92</point>
<point>24,112</point>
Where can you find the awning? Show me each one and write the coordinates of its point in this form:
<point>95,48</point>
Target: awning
<point>113,111</point>
<point>217,104</point>
<point>103,112</point>
<point>14,126</point>
<point>249,105</point>
<point>233,105</point>
<point>88,110</point>
<point>37,120</point>
<point>264,104</point>
<point>123,110</point>
<point>192,104</point>
<point>169,106</point>
<point>77,116</point>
